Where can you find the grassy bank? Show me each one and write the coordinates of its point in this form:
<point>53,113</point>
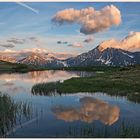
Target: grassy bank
<point>119,81</point>
<point>15,67</point>
<point>91,68</point>
<point>7,67</point>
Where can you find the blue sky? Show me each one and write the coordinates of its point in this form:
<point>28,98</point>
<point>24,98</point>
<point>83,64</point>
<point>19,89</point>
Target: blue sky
<point>19,21</point>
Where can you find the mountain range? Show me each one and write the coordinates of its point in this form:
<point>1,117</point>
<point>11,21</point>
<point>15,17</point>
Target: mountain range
<point>109,56</point>
<point>45,60</point>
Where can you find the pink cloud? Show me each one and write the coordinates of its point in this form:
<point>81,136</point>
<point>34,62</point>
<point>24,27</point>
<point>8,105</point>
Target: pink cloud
<point>129,43</point>
<point>91,20</point>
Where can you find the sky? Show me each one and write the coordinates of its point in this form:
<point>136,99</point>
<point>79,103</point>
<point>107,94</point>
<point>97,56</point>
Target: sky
<point>25,26</point>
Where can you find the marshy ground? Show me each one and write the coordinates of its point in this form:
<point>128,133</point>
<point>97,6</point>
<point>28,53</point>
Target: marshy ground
<point>113,81</point>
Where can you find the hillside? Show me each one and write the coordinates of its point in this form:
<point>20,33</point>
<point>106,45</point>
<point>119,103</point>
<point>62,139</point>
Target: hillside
<point>108,57</point>
<point>14,67</point>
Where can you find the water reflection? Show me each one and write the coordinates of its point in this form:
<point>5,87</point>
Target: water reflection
<point>90,109</point>
<point>44,76</point>
<point>56,112</point>
<point>13,88</point>
<point>84,73</point>
<point>16,83</point>
<point>38,76</point>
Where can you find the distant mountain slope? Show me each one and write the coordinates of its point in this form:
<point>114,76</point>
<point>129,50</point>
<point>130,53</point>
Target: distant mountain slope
<point>109,56</point>
<point>98,56</point>
<point>42,60</point>
<point>33,59</point>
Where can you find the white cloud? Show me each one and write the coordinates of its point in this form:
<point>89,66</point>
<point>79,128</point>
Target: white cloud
<point>91,20</point>
<point>16,40</point>
<point>129,43</point>
<point>76,45</point>
<point>40,50</point>
<point>7,45</point>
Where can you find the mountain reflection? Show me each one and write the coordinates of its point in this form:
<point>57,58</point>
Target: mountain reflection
<point>16,83</point>
<point>43,76</point>
<point>90,109</point>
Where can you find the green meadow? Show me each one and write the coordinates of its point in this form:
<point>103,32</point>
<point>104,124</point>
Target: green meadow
<point>113,81</point>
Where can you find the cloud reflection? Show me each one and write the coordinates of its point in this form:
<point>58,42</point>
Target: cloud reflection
<point>90,109</point>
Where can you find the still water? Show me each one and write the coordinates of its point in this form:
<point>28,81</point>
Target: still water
<point>68,115</point>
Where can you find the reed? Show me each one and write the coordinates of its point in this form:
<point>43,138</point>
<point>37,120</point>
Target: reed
<point>12,113</point>
<point>123,130</point>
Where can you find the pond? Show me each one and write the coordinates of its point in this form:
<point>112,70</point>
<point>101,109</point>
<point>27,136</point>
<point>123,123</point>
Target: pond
<point>69,115</point>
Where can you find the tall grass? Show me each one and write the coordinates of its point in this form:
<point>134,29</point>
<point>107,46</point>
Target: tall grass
<point>12,113</point>
<point>123,130</point>
<point>48,89</point>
